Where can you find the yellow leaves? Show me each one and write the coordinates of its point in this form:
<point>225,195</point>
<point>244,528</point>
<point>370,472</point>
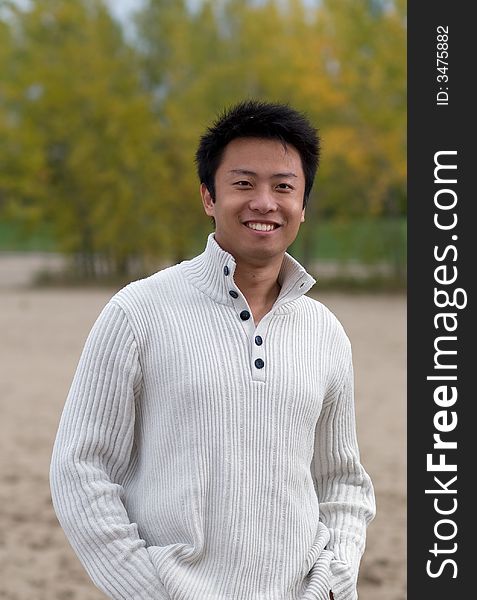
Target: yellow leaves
<point>101,134</point>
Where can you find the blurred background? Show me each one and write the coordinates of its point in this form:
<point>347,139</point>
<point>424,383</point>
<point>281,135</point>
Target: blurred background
<point>101,107</point>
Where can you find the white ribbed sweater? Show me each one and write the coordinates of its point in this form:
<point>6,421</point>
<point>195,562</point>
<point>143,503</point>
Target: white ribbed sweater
<point>185,470</point>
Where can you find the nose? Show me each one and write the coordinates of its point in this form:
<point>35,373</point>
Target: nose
<point>263,201</point>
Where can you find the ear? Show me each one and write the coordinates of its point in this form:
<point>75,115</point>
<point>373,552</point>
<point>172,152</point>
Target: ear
<point>209,204</point>
<point>302,220</point>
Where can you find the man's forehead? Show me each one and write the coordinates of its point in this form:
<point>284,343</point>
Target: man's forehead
<point>258,141</point>
<point>255,173</point>
<point>253,155</point>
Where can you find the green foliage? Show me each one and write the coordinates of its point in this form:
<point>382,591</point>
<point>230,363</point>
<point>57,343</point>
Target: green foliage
<point>97,135</point>
<point>372,240</point>
<point>366,43</point>
<point>14,238</point>
<point>78,100</point>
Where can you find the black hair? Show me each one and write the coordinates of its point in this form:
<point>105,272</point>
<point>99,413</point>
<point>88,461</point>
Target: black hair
<point>254,118</point>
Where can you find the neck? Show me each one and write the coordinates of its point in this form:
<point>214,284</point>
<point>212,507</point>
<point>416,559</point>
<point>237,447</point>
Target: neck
<point>259,285</point>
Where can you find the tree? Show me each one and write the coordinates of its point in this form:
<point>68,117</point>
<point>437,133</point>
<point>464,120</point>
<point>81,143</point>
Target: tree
<point>366,42</point>
<point>21,160</point>
<point>95,129</point>
<point>110,129</point>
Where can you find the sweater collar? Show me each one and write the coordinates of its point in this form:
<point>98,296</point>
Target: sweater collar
<point>213,271</point>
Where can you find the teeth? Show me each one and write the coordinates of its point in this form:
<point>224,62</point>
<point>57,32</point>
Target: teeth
<point>261,226</point>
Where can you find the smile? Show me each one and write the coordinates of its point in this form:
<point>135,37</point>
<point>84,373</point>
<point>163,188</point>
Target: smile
<point>261,226</point>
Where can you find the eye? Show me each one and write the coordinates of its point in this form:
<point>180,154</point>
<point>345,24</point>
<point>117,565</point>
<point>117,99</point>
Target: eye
<point>242,183</point>
<point>285,187</point>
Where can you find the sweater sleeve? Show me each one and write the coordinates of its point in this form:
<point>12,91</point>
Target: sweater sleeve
<point>90,456</point>
<point>344,489</point>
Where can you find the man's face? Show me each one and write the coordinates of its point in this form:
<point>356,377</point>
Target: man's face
<point>259,189</point>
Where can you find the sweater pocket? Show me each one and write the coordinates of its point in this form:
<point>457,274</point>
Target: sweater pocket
<point>321,539</point>
<point>318,580</point>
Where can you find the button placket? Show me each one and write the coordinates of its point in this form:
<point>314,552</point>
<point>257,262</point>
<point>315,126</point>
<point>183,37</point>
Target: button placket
<point>258,349</point>
<point>244,315</point>
<point>255,334</point>
<point>294,283</point>
<point>242,309</point>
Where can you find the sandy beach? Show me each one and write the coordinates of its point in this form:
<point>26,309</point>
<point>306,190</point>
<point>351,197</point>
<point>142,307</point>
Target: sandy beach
<point>42,334</point>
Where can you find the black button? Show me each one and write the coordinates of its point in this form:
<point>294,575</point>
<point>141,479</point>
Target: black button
<point>258,340</point>
<point>226,270</point>
<point>245,315</point>
<point>233,293</point>
<point>259,363</point>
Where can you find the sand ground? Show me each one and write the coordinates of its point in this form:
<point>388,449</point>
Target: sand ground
<point>41,335</point>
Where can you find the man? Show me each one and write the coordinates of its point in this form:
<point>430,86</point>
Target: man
<point>207,449</point>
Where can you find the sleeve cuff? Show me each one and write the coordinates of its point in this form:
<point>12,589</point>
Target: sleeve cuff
<point>157,591</point>
<point>343,582</point>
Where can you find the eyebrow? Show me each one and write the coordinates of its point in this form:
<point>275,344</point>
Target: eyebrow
<point>247,172</point>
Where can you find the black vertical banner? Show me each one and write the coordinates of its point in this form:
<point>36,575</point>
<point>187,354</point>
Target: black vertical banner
<point>442,250</point>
